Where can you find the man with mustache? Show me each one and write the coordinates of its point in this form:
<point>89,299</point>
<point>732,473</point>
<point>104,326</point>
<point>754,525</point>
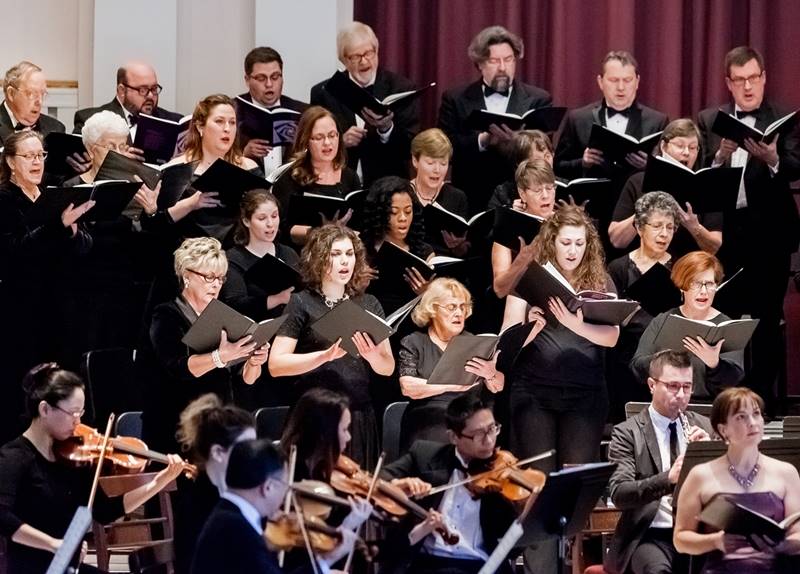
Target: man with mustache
<point>24,89</point>
<point>480,159</point>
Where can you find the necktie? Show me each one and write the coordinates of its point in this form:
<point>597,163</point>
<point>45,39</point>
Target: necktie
<point>740,114</point>
<point>489,90</point>
<point>673,442</point>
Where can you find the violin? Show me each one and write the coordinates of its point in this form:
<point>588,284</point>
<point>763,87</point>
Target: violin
<point>348,477</point>
<point>500,474</point>
<point>125,454</point>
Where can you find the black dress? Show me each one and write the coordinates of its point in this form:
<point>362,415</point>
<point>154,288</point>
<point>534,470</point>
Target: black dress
<point>453,200</point>
<point>347,375</point>
<point>192,503</point>
<point>169,386</point>
<point>44,495</point>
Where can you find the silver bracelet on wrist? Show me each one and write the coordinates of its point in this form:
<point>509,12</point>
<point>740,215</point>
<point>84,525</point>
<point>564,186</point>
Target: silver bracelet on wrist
<point>217,359</point>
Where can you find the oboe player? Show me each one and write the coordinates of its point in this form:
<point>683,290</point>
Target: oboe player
<point>648,449</point>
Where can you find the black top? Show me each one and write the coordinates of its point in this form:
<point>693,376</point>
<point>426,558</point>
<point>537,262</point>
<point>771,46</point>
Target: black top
<point>625,273</point>
<point>193,503</point>
<point>44,495</point>
<point>348,374</point>
<point>682,242</point>
<point>503,195</point>
<point>418,357</point>
<point>245,296</point>
<point>453,200</point>
<point>169,386</point>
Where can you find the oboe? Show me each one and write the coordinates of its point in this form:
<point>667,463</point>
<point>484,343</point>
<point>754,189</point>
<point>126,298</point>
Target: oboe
<point>684,426</point>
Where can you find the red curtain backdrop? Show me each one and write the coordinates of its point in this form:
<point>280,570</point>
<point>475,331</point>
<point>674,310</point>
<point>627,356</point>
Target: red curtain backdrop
<point>680,44</point>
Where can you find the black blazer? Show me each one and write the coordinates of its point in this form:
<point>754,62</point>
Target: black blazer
<point>638,483</point>
<point>114,106</point>
<point>769,198</point>
<point>228,543</point>
<point>577,127</point>
<point>474,171</point>
<point>377,159</point>
<point>46,124</point>
<point>434,462</point>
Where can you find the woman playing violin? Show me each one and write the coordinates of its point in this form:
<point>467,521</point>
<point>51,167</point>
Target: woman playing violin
<point>39,494</point>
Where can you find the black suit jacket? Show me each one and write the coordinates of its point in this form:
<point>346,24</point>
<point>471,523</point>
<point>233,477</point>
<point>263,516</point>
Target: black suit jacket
<point>114,106</point>
<point>574,139</point>
<point>434,462</point>
<point>474,171</point>
<point>638,483</point>
<point>773,211</point>
<point>377,158</point>
<point>47,124</point>
<point>229,544</point>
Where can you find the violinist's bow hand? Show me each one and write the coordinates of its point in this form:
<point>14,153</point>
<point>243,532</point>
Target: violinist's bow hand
<point>412,486</point>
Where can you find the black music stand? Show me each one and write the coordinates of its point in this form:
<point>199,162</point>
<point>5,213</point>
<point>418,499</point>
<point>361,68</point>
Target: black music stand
<point>563,506</point>
<point>73,538</point>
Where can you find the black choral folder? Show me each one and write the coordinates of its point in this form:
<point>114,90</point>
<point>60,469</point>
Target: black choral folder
<point>277,125</point>
<point>60,146</point>
<point>736,332</point>
<point>724,513</point>
<point>355,98</point>
<point>545,119</point>
<point>110,197</point>
<point>730,127</point>
<point>450,368</point>
<point>118,166</point>
<point>616,146</point>
<point>309,208</point>
<point>230,182</point>
<point>654,290</point>
<point>595,194</point>
<point>52,202</point>
<point>510,225</point>
<point>160,139</point>
<point>438,218</point>
<point>708,190</point>
<point>392,262</point>
<point>273,275</point>
<point>175,179</point>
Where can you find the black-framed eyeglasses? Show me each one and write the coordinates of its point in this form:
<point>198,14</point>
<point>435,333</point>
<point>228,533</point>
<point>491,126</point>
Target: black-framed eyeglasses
<point>754,80</point>
<point>480,435</point>
<point>41,156</point>
<point>674,387</point>
<point>356,58</point>
<point>209,278</point>
<point>73,414</point>
<point>144,90</point>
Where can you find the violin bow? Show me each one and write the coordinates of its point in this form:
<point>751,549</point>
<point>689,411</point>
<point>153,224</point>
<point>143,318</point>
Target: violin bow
<point>509,539</point>
<point>301,520</point>
<point>287,501</point>
<point>481,475</point>
<point>372,485</point>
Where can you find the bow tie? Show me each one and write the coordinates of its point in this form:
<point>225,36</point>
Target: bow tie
<point>20,127</point>
<point>132,120</point>
<point>489,90</point>
<point>740,114</point>
<point>611,112</point>
<point>370,89</point>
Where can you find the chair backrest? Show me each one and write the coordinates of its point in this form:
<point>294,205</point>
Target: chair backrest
<point>270,422</point>
<point>149,557</point>
<point>129,424</point>
<point>392,417</point>
<point>110,383</point>
<point>634,408</point>
<point>791,427</point>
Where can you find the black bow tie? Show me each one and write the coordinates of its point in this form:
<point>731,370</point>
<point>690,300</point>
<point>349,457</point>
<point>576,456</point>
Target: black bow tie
<point>132,120</point>
<point>611,112</point>
<point>370,89</point>
<point>489,90</point>
<point>20,127</point>
<point>740,114</point>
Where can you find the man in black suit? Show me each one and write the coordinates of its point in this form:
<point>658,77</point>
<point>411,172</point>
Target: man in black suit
<point>481,160</point>
<point>137,93</point>
<point>478,522</point>
<point>648,449</point>
<point>24,89</point>
<point>232,539</point>
<point>763,231</point>
<point>263,74</point>
<point>376,145</point>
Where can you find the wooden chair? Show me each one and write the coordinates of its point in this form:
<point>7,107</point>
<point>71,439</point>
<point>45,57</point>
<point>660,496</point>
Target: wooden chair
<point>133,531</point>
<point>148,558</point>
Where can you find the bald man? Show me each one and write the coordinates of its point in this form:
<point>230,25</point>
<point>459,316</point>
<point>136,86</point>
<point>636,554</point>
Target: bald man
<point>137,92</point>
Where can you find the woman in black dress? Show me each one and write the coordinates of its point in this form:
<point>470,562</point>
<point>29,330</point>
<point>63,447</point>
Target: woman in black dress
<point>442,311</point>
<point>207,432</point>
<point>175,374</point>
<point>38,493</point>
<point>320,166</point>
<point>334,268</point>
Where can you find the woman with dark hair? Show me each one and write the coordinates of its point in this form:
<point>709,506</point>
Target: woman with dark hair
<point>207,432</point>
<point>745,476</point>
<point>697,275</point>
<point>320,166</point>
<point>38,493</point>
<point>334,267</point>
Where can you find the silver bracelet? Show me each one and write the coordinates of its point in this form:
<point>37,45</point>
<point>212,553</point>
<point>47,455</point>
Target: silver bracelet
<point>217,359</point>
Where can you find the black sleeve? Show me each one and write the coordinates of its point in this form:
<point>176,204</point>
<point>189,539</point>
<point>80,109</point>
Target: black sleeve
<point>569,152</point>
<point>13,471</point>
<point>236,294</point>
<point>626,491</point>
<point>409,357</point>
<point>166,333</point>
<point>627,198</point>
<point>296,318</point>
<point>640,363</point>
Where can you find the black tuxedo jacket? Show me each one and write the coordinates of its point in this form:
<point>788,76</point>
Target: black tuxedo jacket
<point>474,171</point>
<point>434,462</point>
<point>773,211</point>
<point>47,124</point>
<point>574,139</point>
<point>377,159</point>
<point>638,483</point>
<point>114,106</point>
<point>228,543</point>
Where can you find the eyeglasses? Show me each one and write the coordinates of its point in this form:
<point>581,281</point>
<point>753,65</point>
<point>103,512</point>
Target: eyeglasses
<point>356,58</point>
<point>542,189</point>
<point>754,80</point>
<point>262,78</point>
<point>122,147</point>
<point>144,90</point>
<point>480,435</point>
<point>508,60</point>
<point>692,148</point>
<point>319,138</point>
<point>698,285</point>
<point>209,278</point>
<point>452,307</point>
<point>73,414</point>
<point>32,95</point>
<point>658,227</point>
<point>675,387</point>
<point>40,155</point>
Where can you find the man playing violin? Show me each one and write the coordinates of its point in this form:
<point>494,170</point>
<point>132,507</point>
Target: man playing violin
<point>232,541</point>
<point>479,522</point>
<point>648,449</point>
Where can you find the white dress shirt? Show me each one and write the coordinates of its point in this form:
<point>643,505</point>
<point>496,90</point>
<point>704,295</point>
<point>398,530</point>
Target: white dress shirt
<point>495,103</point>
<point>663,517</point>
<point>617,123</point>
